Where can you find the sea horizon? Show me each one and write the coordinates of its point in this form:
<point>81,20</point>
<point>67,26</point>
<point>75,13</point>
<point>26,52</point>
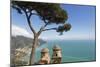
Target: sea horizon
<point>72,50</point>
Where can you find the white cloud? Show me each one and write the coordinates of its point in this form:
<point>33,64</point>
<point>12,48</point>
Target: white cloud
<point>16,30</point>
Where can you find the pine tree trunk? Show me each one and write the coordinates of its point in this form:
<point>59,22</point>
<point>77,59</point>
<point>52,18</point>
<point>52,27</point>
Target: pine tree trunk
<point>32,55</point>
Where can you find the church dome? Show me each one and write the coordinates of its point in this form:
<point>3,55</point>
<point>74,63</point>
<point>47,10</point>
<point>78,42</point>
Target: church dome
<point>45,50</point>
<point>56,47</point>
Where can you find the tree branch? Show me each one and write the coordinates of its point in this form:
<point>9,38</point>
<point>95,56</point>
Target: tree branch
<point>50,29</point>
<point>32,14</point>
<point>42,28</point>
<point>29,22</point>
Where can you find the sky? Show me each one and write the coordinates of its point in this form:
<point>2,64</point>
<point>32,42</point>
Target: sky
<point>82,19</point>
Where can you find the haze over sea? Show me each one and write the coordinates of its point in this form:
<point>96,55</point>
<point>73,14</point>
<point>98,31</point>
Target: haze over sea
<point>72,50</point>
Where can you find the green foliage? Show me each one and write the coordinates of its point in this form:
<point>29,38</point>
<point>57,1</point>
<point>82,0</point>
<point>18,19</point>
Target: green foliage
<point>50,13</point>
<point>65,27</point>
<point>53,13</point>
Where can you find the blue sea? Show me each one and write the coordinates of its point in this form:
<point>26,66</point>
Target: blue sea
<point>72,50</point>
